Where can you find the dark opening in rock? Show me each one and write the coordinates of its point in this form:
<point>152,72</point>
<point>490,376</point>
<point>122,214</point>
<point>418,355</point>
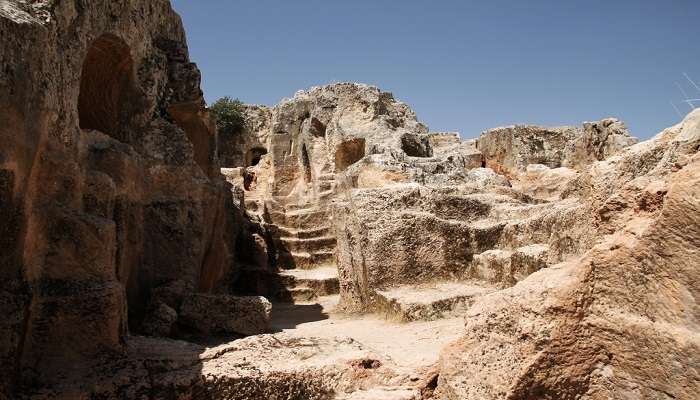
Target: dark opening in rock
<point>366,363</point>
<point>107,87</point>
<point>249,179</point>
<point>429,387</point>
<point>253,156</point>
<point>416,146</point>
<point>349,153</point>
<point>306,162</point>
<point>317,129</point>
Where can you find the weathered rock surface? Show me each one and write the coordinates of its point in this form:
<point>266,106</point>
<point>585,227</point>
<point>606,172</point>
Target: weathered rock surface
<point>424,226</point>
<point>571,253</point>
<point>510,150</point>
<point>109,183</point>
<point>553,197</point>
<point>280,366</point>
<point>620,322</point>
<point>245,148</point>
<point>209,314</point>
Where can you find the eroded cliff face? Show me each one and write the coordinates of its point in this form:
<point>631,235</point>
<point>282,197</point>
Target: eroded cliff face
<point>485,213</point>
<point>544,239</point>
<point>619,322</point>
<point>109,184</point>
<point>570,254</point>
<point>245,147</point>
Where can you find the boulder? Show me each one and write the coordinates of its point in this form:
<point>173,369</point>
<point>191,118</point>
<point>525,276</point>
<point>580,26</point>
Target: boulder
<point>224,314</point>
<point>160,320</point>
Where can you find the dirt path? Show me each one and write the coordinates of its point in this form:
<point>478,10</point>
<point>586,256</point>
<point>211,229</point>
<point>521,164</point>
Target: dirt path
<point>413,347</point>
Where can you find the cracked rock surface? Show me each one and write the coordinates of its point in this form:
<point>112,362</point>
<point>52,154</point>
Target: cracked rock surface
<point>343,251</point>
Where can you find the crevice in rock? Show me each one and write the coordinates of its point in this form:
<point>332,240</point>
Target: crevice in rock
<point>306,163</point>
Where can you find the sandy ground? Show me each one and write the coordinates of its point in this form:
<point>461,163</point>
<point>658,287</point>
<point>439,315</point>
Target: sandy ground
<point>412,346</point>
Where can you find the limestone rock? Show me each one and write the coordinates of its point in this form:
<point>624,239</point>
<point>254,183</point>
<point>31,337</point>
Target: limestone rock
<point>246,147</point>
<point>438,233</point>
<point>600,140</point>
<point>226,314</point>
<point>542,182</point>
<point>109,181</point>
<point>571,252</point>
<point>511,149</point>
<point>258,367</point>
<point>618,322</point>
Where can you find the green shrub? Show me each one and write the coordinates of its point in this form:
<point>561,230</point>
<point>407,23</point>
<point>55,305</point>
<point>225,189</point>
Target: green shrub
<point>229,115</point>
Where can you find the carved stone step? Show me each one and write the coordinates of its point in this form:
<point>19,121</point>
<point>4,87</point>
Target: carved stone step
<point>326,177</point>
<point>314,232</point>
<point>293,244</point>
<point>289,285</point>
<point>300,295</point>
<point>304,260</point>
<point>507,267</point>
<point>325,194</point>
<point>429,302</point>
<point>300,219</point>
<point>306,205</point>
<point>322,281</point>
<point>325,185</point>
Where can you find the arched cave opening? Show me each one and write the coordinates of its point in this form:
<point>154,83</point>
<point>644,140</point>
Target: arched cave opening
<point>107,87</point>
<point>349,153</point>
<point>253,156</point>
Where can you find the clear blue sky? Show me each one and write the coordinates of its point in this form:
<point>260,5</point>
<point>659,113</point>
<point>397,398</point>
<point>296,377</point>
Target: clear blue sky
<point>462,65</point>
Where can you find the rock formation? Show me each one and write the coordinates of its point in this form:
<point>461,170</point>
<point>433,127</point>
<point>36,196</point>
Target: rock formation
<point>244,148</point>
<point>511,229</point>
<point>363,256</point>
<point>618,322</point>
<point>110,196</point>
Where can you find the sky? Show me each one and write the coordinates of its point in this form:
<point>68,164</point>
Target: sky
<point>463,66</point>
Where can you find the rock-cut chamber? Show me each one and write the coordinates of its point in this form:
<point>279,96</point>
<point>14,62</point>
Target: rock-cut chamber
<point>106,87</point>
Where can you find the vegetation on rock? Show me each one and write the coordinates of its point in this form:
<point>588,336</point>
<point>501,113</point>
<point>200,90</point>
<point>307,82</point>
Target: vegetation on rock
<point>229,115</point>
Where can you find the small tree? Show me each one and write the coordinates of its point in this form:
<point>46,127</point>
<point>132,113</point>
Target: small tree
<point>229,115</point>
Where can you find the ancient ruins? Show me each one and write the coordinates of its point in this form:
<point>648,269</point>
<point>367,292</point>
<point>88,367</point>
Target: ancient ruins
<point>332,248</point>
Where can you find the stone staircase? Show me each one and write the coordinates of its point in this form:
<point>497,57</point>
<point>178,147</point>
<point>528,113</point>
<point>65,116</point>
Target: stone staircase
<point>303,238</point>
<point>489,271</point>
<point>308,285</point>
<point>500,262</point>
<point>305,245</point>
<point>429,302</point>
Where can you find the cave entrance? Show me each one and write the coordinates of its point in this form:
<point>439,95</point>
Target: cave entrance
<point>107,87</point>
<point>349,153</point>
<point>253,156</point>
